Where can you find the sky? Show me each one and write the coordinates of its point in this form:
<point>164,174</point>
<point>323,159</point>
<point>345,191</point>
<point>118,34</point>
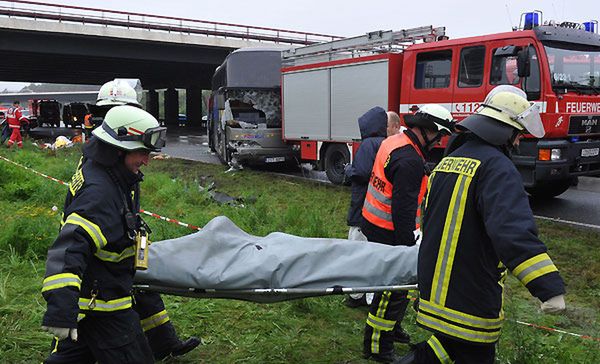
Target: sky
<point>461,18</point>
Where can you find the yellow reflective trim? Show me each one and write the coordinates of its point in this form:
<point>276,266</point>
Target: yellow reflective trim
<point>61,280</point>
<point>155,320</point>
<point>439,350</point>
<point>429,182</point>
<point>55,349</point>
<point>106,306</point>
<point>460,317</point>
<point>534,267</point>
<point>458,331</point>
<point>538,273</point>
<point>77,180</point>
<point>382,307</point>
<point>113,257</point>
<point>92,229</point>
<point>380,323</point>
<point>439,265</point>
<point>460,165</point>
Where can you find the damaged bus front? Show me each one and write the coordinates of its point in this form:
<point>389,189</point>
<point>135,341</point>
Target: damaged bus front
<point>244,122</point>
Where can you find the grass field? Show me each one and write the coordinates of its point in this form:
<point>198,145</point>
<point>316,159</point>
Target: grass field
<point>314,330</point>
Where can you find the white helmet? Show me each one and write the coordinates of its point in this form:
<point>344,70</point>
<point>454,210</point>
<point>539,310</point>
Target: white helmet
<point>432,117</point>
<point>509,105</point>
<point>130,128</point>
<point>117,92</point>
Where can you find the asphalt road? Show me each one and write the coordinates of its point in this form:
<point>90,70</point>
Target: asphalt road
<point>580,205</point>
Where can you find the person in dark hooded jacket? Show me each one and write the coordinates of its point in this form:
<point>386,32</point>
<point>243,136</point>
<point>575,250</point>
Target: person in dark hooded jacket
<point>375,125</point>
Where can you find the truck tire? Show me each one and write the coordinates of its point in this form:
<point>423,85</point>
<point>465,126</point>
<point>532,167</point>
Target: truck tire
<point>221,147</point>
<point>336,158</point>
<point>549,189</point>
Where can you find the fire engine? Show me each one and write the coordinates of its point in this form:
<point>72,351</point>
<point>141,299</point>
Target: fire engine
<point>326,87</point>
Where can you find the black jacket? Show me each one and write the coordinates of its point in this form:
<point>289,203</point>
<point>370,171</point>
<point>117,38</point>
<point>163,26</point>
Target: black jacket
<point>477,223</point>
<point>93,253</point>
<point>373,130</point>
<point>405,170</point>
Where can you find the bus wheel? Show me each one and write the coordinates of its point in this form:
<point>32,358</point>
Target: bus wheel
<point>336,158</point>
<point>549,189</point>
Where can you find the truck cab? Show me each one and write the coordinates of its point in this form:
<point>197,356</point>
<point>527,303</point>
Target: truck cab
<point>558,66</point>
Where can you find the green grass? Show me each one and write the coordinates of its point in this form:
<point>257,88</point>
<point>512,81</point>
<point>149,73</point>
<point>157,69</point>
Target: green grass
<point>314,330</point>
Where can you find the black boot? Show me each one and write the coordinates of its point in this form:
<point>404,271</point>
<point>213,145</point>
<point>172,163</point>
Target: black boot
<point>387,357</point>
<point>409,358</point>
<point>400,336</point>
<point>182,347</point>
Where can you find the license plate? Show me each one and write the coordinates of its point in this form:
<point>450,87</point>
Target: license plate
<point>274,159</point>
<point>590,152</point>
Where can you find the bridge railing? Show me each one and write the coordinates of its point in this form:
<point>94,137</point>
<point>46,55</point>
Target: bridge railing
<point>159,23</point>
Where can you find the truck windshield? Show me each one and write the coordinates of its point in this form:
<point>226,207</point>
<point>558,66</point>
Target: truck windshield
<point>577,70</point>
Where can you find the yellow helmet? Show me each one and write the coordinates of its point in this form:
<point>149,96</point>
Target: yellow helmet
<point>509,105</point>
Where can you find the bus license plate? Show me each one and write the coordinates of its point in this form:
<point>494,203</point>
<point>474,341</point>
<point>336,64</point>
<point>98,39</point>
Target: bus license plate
<point>274,159</point>
<point>590,152</point>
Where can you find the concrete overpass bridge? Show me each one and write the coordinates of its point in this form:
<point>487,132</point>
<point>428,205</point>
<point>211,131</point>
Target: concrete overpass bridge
<point>53,43</point>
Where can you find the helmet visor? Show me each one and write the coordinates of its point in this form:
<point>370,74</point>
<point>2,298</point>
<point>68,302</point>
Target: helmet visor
<point>155,138</point>
<point>531,121</point>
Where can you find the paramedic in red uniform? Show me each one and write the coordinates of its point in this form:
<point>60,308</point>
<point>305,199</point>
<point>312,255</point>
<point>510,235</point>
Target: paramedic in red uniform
<point>14,118</point>
<point>396,186</point>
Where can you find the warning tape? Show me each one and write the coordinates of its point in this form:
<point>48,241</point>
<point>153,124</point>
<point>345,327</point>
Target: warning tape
<point>587,337</point>
<point>157,216</point>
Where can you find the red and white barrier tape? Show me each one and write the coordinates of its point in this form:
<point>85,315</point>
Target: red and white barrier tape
<point>157,216</point>
<point>587,337</point>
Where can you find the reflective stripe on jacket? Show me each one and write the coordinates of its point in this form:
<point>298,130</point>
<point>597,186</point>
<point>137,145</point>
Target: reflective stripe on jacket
<point>377,208</point>
<point>477,223</point>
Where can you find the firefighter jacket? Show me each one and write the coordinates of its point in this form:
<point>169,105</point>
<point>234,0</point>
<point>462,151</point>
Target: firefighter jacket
<point>477,224</point>
<point>373,130</point>
<point>14,117</point>
<point>90,266</point>
<point>396,186</point>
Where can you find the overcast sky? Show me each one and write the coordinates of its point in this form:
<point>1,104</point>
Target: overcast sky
<point>352,17</point>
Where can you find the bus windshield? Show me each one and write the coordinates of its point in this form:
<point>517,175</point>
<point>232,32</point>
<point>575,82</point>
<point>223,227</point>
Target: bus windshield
<point>578,70</point>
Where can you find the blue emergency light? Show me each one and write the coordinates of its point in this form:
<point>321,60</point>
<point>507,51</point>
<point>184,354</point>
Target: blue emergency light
<point>532,20</point>
<point>591,26</point>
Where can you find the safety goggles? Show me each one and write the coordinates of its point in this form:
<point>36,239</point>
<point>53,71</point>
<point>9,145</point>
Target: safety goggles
<point>153,138</point>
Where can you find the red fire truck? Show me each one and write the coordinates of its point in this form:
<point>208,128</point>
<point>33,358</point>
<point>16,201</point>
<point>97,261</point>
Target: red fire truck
<point>326,87</point>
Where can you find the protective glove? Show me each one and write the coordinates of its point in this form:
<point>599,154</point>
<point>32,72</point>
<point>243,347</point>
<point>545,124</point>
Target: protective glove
<point>555,304</point>
<point>61,332</point>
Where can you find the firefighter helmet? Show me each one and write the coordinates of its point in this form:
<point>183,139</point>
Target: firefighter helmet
<point>432,117</point>
<point>117,92</point>
<point>131,128</point>
<point>509,105</point>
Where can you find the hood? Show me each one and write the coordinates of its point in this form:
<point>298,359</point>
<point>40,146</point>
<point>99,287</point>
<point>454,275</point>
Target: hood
<point>373,123</point>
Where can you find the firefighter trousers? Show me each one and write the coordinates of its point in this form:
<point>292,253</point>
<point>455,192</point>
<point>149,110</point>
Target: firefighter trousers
<point>111,338</point>
<point>387,311</point>
<point>445,350</point>
<point>155,321</point>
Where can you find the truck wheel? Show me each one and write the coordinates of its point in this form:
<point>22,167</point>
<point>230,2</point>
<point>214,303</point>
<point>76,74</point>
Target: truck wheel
<point>221,147</point>
<point>336,158</point>
<point>549,189</point>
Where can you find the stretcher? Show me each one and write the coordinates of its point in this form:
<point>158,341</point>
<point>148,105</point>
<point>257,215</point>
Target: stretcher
<point>223,261</point>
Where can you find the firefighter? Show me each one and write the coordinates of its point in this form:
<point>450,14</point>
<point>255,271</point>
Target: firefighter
<point>15,118</point>
<point>375,125</point>
<point>478,225</point>
<point>88,125</point>
<point>395,188</point>
<point>155,320</point>
<point>90,265</point>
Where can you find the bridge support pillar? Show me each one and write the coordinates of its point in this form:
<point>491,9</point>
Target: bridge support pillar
<point>171,106</point>
<point>193,106</point>
<point>152,103</point>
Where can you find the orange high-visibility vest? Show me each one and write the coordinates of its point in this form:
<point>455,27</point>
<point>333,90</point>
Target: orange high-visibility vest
<point>378,201</point>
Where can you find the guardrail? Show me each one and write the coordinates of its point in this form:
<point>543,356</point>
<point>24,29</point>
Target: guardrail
<point>114,18</point>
